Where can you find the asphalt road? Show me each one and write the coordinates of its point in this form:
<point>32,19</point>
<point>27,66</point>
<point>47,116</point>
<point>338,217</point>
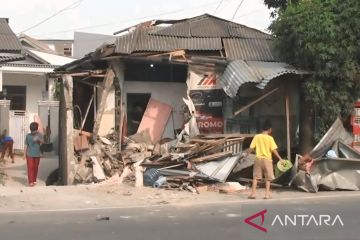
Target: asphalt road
<point>216,221</point>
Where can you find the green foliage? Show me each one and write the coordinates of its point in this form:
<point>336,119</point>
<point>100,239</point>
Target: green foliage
<point>323,36</point>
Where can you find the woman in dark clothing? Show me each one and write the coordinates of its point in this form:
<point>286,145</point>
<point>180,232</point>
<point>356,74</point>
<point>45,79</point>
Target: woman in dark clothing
<point>33,141</point>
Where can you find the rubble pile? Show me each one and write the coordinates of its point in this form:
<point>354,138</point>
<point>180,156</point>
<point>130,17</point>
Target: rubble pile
<point>170,164</point>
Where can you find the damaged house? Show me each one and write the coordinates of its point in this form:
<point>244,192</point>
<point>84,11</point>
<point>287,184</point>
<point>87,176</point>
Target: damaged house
<point>159,74</point>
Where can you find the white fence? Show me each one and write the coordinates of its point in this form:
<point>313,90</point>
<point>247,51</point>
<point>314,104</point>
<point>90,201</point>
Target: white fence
<point>18,127</point>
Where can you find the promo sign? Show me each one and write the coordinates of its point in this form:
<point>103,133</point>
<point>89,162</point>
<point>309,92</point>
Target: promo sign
<point>207,96</point>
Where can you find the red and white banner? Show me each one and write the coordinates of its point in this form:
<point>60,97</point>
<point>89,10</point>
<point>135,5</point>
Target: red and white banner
<point>207,97</point>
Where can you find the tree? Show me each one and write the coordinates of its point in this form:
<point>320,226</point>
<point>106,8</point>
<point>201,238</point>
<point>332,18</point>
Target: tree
<point>323,37</point>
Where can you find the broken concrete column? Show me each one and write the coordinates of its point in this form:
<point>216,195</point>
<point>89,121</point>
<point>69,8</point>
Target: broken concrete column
<point>106,86</point>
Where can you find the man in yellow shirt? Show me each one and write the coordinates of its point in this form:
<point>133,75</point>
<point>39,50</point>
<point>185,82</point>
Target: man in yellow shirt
<point>264,146</point>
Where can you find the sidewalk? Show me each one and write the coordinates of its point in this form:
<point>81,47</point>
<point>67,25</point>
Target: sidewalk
<point>17,196</point>
<point>17,172</point>
<point>84,197</point>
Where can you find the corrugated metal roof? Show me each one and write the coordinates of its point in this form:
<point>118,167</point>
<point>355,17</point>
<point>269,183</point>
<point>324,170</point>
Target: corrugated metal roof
<point>205,33</point>
<point>140,40</point>
<point>8,40</point>
<point>209,26</point>
<point>248,49</point>
<point>239,72</point>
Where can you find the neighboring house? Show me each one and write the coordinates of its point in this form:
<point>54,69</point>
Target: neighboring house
<point>24,67</point>
<point>228,72</point>
<point>32,43</point>
<point>60,46</point>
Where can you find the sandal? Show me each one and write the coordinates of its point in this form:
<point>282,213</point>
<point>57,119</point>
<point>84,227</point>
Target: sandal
<point>267,197</point>
<point>251,197</point>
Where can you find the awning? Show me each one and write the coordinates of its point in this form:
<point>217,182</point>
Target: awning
<point>239,72</point>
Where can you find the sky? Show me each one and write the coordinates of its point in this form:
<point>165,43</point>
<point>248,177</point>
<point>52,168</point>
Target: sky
<point>109,16</point>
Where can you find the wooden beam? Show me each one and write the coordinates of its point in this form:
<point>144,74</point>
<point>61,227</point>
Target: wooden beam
<point>288,140</point>
<point>87,112</point>
<point>255,101</point>
<point>106,85</point>
<point>88,83</point>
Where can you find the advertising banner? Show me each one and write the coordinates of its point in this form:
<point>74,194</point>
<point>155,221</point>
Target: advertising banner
<point>207,97</point>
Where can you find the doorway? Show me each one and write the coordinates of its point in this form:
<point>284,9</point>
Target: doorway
<point>136,106</point>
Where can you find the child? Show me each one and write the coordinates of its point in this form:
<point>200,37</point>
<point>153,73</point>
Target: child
<point>32,151</point>
<point>7,143</point>
<point>264,146</point>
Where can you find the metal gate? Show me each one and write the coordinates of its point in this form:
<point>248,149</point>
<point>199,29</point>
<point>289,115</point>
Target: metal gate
<point>17,128</point>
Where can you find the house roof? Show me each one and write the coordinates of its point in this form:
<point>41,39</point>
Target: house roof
<point>8,57</point>
<point>29,42</point>
<point>247,52</point>
<point>209,26</point>
<point>10,47</point>
<point>50,58</point>
<point>140,40</point>
<point>8,40</point>
<point>201,33</point>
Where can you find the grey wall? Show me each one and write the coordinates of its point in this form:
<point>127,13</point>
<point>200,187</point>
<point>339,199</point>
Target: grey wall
<point>85,43</point>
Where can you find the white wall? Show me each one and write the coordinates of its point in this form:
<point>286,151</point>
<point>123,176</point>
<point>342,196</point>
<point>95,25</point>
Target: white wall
<point>35,85</point>
<point>107,123</point>
<point>170,93</point>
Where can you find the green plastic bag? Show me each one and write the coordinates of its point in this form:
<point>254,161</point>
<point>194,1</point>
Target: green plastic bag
<point>282,166</point>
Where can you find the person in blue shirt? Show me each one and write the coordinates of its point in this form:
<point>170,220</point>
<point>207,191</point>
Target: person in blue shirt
<point>7,144</point>
<point>33,141</point>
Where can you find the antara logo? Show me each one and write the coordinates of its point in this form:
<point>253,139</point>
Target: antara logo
<point>305,220</point>
<point>302,220</point>
<point>259,214</point>
<point>208,80</point>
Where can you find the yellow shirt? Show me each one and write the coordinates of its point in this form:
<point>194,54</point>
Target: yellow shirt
<point>263,144</point>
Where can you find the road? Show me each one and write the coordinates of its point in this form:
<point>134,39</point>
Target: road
<point>201,221</point>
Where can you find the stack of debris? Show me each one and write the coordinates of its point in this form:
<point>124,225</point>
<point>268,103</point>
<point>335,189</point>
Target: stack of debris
<point>168,164</point>
<point>331,165</point>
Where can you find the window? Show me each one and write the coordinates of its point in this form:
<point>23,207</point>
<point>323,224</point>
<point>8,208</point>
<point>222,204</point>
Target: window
<point>67,51</point>
<point>17,96</point>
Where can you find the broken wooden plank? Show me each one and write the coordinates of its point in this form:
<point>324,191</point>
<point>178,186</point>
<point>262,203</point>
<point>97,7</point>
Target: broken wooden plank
<point>211,157</point>
<point>87,112</point>
<point>255,101</point>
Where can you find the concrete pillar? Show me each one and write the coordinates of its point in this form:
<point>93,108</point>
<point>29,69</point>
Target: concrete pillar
<point>66,145</point>
<point>4,115</point>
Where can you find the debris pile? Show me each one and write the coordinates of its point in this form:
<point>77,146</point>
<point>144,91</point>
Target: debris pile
<point>170,164</point>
